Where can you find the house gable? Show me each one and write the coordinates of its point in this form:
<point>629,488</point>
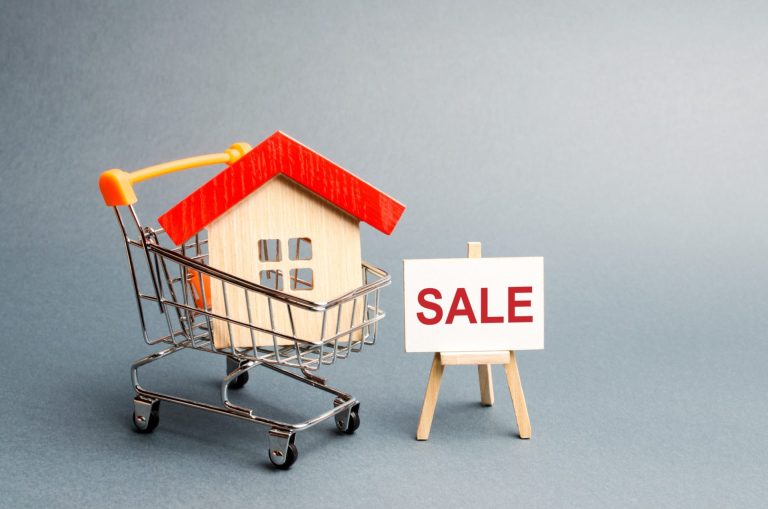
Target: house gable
<point>282,210</point>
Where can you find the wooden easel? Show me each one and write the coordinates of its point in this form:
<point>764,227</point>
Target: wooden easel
<point>483,361</point>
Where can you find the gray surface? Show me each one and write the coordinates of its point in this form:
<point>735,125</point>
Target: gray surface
<point>623,141</point>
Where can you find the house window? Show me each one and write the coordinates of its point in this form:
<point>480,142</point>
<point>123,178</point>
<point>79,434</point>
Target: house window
<point>269,250</point>
<point>271,279</point>
<point>302,279</point>
<point>300,249</point>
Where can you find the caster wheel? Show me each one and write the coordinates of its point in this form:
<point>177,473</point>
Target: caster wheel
<point>147,425</point>
<point>239,382</point>
<point>292,454</point>
<point>352,423</point>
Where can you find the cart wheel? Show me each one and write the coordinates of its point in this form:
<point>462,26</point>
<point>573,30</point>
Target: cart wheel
<point>352,423</point>
<point>239,382</point>
<point>147,424</point>
<point>292,454</point>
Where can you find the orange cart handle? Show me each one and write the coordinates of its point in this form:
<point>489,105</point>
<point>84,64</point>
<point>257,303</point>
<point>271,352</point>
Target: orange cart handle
<point>117,185</point>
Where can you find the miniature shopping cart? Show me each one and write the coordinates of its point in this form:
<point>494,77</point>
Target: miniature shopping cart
<point>177,282</point>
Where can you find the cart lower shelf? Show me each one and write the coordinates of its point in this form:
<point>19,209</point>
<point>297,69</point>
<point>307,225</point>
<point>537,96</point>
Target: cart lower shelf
<point>282,436</point>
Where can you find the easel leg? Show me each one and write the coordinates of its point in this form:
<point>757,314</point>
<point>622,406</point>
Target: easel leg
<point>486,384</point>
<point>430,399</point>
<point>518,398</point>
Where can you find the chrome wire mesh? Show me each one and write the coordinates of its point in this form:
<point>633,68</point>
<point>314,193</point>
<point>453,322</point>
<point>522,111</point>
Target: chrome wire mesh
<point>179,281</point>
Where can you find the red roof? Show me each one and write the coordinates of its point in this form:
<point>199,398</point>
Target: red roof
<point>280,155</point>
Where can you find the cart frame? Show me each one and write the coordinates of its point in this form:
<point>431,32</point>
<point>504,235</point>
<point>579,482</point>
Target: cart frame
<point>176,281</point>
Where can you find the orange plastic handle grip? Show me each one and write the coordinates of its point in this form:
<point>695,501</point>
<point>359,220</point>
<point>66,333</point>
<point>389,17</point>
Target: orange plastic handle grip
<point>117,185</point>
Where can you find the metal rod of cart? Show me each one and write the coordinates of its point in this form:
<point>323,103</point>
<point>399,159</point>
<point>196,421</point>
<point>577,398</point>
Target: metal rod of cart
<point>177,282</point>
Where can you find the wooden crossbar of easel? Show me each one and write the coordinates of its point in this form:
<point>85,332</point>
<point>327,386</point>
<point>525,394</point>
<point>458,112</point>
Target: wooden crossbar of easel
<point>483,361</point>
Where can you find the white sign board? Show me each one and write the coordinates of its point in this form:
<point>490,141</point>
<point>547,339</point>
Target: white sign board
<point>474,304</point>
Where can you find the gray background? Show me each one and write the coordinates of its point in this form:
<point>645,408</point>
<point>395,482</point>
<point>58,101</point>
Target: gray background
<point>623,141</point>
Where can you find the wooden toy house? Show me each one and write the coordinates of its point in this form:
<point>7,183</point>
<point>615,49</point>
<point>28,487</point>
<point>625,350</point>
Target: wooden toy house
<point>287,218</point>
